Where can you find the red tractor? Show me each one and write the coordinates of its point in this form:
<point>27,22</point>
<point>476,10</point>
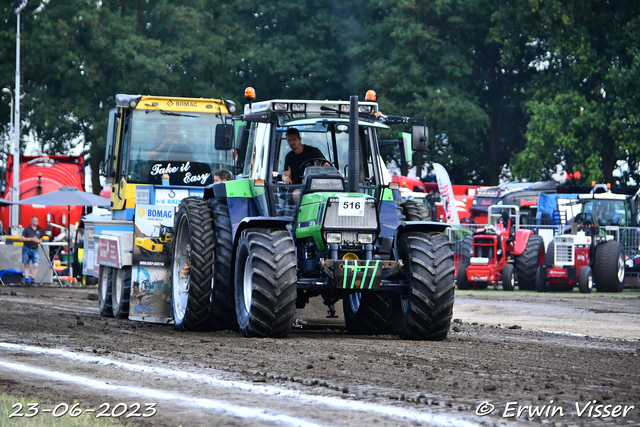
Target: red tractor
<point>592,254</point>
<point>501,252</point>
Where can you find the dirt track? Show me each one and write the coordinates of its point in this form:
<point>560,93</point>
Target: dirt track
<point>590,352</point>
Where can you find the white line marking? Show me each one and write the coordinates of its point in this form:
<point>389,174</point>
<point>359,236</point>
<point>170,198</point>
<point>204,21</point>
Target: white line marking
<point>409,414</point>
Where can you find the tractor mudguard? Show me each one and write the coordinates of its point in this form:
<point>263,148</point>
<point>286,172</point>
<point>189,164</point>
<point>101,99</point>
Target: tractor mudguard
<point>260,222</point>
<point>522,238</point>
<point>421,226</point>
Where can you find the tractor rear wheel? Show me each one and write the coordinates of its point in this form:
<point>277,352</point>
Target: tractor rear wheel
<point>222,312</point>
<point>508,278</point>
<point>425,313</point>
<point>467,250</point>
<point>461,278</point>
<point>585,280</point>
<point>121,292</point>
<point>549,256</point>
<point>192,265</point>
<point>415,211</point>
<point>265,282</point>
<point>608,267</point>
<point>528,261</point>
<point>105,279</point>
<point>368,313</point>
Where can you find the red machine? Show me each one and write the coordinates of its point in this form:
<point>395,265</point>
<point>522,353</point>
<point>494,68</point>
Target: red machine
<point>39,175</point>
<point>501,252</point>
<point>463,195</point>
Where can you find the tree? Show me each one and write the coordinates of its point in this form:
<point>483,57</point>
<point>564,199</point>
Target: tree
<point>584,114</point>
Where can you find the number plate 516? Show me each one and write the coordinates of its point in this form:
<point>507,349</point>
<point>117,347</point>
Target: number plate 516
<point>351,206</point>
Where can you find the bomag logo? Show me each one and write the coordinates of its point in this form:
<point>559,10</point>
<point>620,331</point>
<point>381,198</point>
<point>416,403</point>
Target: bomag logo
<point>186,104</point>
<point>141,212</point>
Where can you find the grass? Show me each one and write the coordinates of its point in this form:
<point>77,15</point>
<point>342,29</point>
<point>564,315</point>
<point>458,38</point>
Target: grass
<point>7,408</point>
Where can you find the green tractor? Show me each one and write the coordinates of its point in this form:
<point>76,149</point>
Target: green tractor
<point>257,247</point>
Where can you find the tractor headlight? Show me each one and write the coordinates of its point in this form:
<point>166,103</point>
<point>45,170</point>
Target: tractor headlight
<point>365,238</point>
<point>327,184</point>
<point>334,238</point>
<point>280,106</point>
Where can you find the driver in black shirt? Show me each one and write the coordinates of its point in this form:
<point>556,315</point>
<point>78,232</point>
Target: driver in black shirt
<point>296,158</point>
<point>298,155</point>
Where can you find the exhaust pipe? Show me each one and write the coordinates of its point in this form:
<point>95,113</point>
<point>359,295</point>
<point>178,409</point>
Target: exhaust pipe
<point>354,146</point>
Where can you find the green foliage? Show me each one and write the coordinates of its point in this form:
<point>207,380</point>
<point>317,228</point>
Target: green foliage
<point>524,84</point>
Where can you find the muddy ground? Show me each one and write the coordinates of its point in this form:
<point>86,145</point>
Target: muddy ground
<point>557,359</point>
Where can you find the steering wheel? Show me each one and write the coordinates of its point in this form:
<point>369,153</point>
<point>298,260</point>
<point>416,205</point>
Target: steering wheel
<point>309,162</point>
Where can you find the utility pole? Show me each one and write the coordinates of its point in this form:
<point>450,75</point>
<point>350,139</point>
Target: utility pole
<point>18,6</point>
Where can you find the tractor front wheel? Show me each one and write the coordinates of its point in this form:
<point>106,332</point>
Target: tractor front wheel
<point>585,280</point>
<point>461,278</point>
<point>508,278</point>
<point>192,265</point>
<point>541,281</point>
<point>265,282</point>
<point>425,313</point>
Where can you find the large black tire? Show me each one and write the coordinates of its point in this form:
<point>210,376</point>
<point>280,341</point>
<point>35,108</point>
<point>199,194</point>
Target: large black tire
<point>121,292</point>
<point>585,280</point>
<point>541,281</point>
<point>265,282</point>
<point>105,278</point>
<point>549,256</point>
<point>368,313</point>
<point>425,314</point>
<point>608,267</point>
<point>508,278</point>
<point>528,261</point>
<point>222,312</point>
<point>461,278</point>
<point>401,217</point>
<point>193,248</point>
<point>415,211</point>
<point>467,250</point>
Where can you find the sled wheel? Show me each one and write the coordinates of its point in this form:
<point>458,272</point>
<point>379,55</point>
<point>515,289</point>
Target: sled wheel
<point>104,291</point>
<point>121,292</point>
<point>192,265</point>
<point>222,312</point>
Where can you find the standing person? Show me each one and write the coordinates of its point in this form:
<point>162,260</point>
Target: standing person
<point>32,237</point>
<point>222,175</point>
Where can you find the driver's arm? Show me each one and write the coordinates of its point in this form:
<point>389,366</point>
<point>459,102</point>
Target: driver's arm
<point>286,177</point>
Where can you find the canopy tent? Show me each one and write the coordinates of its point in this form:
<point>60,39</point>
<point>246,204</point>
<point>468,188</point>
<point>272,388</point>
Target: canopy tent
<point>67,196</point>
